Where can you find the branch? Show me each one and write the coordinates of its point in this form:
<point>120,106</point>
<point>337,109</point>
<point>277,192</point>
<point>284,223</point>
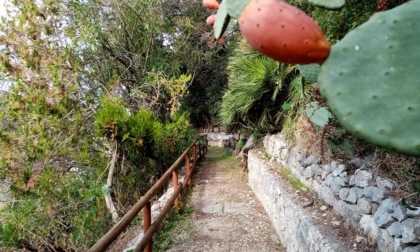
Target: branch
<point>108,198</point>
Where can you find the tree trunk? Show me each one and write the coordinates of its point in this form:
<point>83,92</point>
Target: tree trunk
<point>108,197</point>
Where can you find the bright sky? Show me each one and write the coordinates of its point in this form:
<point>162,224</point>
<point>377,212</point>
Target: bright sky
<point>2,12</point>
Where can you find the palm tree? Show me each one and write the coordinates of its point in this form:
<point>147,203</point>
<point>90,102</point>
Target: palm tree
<point>255,90</point>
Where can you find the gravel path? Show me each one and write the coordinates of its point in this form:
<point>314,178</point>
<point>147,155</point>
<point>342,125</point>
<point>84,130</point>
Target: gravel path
<point>226,214</point>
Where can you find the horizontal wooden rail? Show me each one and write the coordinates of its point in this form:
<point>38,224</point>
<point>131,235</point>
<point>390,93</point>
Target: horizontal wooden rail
<point>106,240</point>
<point>155,226</point>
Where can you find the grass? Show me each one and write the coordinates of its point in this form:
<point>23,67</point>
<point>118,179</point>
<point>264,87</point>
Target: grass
<point>172,227</point>
<point>217,154</point>
<point>294,182</point>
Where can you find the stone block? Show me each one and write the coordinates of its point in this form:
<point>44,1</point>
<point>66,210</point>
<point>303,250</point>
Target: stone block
<point>343,193</point>
<point>327,168</point>
<point>354,194</point>
<point>384,184</point>
<point>383,217</point>
<point>340,168</point>
<point>385,241</point>
<point>400,213</point>
<point>395,229</point>
<point>374,193</point>
<point>316,169</point>
<point>412,249</point>
<point>368,226</point>
<point>410,231</point>
<point>337,183</point>
<point>364,206</point>
<point>413,212</point>
<point>362,178</point>
<point>308,160</point>
<point>308,173</point>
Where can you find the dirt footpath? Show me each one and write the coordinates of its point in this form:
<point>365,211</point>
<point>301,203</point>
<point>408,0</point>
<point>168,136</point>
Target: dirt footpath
<point>226,215</point>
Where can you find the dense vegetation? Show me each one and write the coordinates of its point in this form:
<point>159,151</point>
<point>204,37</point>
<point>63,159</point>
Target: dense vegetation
<point>98,98</point>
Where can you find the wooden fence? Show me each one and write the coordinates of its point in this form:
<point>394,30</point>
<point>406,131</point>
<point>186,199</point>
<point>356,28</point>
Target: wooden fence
<point>198,152</point>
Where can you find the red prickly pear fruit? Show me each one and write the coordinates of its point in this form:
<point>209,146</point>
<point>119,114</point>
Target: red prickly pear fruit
<point>211,4</point>
<point>211,20</point>
<point>283,32</point>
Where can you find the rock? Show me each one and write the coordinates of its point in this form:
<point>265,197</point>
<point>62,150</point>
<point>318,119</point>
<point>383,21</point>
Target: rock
<point>316,169</point>
<point>284,154</point>
<point>348,211</point>
<point>337,183</point>
<point>327,181</point>
<point>374,193</point>
<point>324,174</point>
<point>358,162</point>
<point>308,161</point>
<point>360,239</point>
<point>383,217</point>
<point>375,207</point>
<point>352,179</point>
<point>343,193</point>
<point>413,213</point>
<point>333,165</point>
<point>343,175</point>
<point>410,231</point>
<point>385,241</point>
<point>412,249</point>
<point>308,173</point>
<point>362,178</point>
<point>354,194</point>
<point>368,226</point>
<point>364,206</point>
<point>395,229</point>
<point>340,168</point>
<point>397,245</point>
<point>384,184</point>
<point>400,213</point>
<point>323,208</point>
<point>335,223</point>
<point>327,168</point>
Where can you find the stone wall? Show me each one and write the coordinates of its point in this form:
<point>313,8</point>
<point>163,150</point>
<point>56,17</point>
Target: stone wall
<point>356,194</point>
<point>295,227</point>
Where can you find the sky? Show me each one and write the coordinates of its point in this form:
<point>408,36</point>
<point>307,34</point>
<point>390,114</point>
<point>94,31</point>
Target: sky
<point>2,12</point>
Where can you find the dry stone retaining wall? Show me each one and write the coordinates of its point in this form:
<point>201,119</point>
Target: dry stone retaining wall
<point>359,196</point>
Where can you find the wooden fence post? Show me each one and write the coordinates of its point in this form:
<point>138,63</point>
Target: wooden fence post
<point>147,222</point>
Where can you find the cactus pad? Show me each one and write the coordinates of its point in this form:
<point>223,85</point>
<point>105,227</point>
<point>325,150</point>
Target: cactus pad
<point>328,4</point>
<point>235,7</point>
<point>222,20</point>
<point>371,79</point>
<point>310,72</point>
<point>319,116</point>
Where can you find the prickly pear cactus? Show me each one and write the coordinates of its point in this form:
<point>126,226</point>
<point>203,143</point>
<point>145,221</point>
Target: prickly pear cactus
<point>235,7</point>
<point>310,72</point>
<point>329,4</point>
<point>222,20</point>
<point>371,79</point>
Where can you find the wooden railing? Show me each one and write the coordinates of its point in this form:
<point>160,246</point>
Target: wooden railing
<point>145,201</point>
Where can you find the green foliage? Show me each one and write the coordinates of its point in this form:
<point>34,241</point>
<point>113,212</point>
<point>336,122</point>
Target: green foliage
<point>112,116</point>
<point>172,227</point>
<point>359,80</point>
<point>336,24</point>
<point>68,214</point>
<point>253,96</point>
